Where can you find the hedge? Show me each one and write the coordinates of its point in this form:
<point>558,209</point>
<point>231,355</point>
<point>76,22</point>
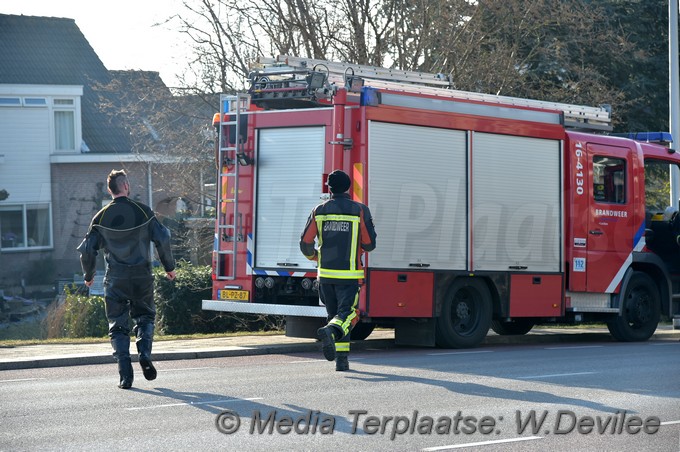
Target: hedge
<point>178,309</point>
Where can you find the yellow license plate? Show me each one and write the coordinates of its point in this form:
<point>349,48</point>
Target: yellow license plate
<point>239,295</point>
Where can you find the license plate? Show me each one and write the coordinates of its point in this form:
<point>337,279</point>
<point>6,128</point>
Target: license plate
<point>239,295</point>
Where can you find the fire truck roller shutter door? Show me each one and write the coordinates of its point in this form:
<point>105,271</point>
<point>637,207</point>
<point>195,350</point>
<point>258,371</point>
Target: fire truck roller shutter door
<point>516,203</point>
<point>417,189</point>
<point>290,162</point>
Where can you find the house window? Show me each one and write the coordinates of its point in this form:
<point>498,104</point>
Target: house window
<point>64,125</point>
<point>10,101</point>
<point>35,102</point>
<point>26,226</point>
<point>26,102</point>
<point>64,130</point>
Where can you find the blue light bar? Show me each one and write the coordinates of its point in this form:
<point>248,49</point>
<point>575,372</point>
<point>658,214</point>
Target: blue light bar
<point>369,97</point>
<point>651,137</point>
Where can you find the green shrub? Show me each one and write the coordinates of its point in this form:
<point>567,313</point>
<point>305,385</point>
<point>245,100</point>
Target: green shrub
<point>179,301</point>
<point>178,309</point>
<point>83,316</point>
<point>179,305</point>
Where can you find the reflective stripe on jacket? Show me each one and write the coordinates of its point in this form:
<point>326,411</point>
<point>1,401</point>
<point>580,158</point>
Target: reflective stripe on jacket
<point>342,228</point>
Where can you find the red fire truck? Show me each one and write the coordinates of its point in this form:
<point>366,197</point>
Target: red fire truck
<point>491,211</point>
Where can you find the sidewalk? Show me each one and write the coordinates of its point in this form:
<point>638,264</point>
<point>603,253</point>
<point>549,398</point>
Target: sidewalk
<point>54,355</point>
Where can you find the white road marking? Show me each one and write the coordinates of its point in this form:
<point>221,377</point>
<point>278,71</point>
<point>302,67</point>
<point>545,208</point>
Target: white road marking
<point>576,347</point>
<point>556,375</point>
<point>483,443</point>
<point>206,402</point>
<point>303,361</point>
<point>21,379</point>
<point>459,353</point>
<point>670,423</point>
<point>186,368</point>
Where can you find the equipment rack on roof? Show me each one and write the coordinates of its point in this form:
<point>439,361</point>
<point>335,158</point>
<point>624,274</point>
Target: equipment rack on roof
<point>286,81</point>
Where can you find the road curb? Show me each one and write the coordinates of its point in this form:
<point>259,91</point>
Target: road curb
<point>229,352</point>
<point>534,337</point>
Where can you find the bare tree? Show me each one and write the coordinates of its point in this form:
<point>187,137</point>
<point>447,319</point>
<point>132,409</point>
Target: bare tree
<point>544,49</point>
<point>175,128</point>
<point>576,51</point>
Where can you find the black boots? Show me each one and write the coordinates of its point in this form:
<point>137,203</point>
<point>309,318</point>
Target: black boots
<point>120,342</point>
<point>341,362</point>
<point>126,373</point>
<point>325,335</point>
<point>148,369</point>
<point>327,338</point>
<point>144,342</point>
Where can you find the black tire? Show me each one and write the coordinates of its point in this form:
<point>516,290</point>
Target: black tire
<point>517,327</point>
<point>361,331</point>
<point>465,316</point>
<point>641,311</point>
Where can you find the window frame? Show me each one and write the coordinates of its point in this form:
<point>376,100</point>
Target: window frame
<point>34,102</point>
<point>24,208</point>
<point>65,104</point>
<point>4,104</point>
<point>611,193</point>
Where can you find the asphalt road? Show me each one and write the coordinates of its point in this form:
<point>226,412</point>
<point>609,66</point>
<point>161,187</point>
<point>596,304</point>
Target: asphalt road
<point>579,396</point>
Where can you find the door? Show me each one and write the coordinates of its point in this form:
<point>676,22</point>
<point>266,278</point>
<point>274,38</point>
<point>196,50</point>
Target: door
<point>611,230</point>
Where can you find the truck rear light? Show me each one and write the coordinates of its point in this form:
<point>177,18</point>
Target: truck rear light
<point>269,282</point>
<point>259,282</point>
<point>306,283</point>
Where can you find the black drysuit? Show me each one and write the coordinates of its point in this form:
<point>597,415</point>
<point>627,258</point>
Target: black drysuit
<point>124,230</point>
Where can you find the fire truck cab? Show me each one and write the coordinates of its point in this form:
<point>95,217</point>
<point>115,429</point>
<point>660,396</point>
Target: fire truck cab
<point>491,212</point>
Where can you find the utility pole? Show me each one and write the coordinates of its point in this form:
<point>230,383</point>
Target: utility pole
<point>674,91</point>
<point>674,86</point>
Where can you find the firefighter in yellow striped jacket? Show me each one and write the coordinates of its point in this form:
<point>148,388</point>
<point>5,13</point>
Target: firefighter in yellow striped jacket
<point>342,228</point>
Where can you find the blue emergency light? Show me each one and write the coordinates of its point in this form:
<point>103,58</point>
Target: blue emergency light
<point>369,96</point>
<point>649,137</point>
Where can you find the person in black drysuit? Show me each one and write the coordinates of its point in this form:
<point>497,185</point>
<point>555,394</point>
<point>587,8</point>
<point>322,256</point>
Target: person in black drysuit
<point>124,230</point>
<point>342,228</point>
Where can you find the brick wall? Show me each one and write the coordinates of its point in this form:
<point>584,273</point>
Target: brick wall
<point>78,192</point>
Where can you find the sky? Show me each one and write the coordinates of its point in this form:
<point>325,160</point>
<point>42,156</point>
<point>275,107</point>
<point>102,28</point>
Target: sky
<point>121,32</point>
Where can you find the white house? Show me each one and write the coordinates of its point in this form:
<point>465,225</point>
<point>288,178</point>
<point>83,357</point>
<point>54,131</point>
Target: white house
<point>59,139</point>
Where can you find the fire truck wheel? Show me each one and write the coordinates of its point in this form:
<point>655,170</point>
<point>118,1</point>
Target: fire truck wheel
<point>361,331</point>
<point>515,328</point>
<point>641,310</point>
<point>466,314</point>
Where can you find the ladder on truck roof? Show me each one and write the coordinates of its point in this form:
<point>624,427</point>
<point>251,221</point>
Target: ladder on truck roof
<point>232,108</point>
<point>268,77</point>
